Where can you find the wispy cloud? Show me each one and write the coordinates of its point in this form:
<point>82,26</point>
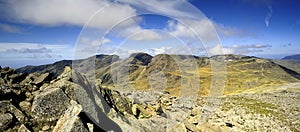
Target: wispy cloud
<point>287,45</point>
<point>245,48</point>
<point>29,50</point>
<point>10,28</point>
<point>269,15</point>
<point>262,3</point>
<point>226,31</point>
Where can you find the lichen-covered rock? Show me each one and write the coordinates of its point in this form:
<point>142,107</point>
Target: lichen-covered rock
<point>34,102</point>
<point>7,107</point>
<point>178,128</point>
<point>23,128</point>
<point>17,78</point>
<point>6,71</point>
<point>51,103</point>
<point>120,103</point>
<point>70,121</point>
<point>40,78</point>
<point>5,120</point>
<point>25,106</point>
<point>45,128</point>
<point>4,90</point>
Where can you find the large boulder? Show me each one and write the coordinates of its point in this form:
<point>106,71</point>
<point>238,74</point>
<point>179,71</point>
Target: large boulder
<point>51,103</point>
<point>70,121</point>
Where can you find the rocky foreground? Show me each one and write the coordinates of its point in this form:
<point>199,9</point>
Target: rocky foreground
<point>36,102</point>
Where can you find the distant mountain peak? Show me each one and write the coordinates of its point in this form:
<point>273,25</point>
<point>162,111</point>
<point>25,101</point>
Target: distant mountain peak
<point>292,57</point>
<point>140,58</point>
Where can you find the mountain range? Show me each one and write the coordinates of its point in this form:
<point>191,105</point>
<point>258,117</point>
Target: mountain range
<point>243,73</point>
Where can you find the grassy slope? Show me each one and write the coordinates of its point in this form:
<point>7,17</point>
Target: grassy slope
<point>248,75</point>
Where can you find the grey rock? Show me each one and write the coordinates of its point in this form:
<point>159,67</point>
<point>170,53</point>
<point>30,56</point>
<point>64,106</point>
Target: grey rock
<point>51,103</point>
<point>25,106</point>
<point>70,122</point>
<point>6,106</point>
<point>6,119</point>
<point>178,128</point>
<point>40,78</point>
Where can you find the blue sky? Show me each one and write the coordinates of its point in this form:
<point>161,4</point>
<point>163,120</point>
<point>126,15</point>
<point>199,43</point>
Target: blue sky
<point>34,32</point>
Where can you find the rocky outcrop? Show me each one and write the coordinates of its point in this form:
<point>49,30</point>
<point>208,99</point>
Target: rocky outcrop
<point>50,104</point>
<point>34,102</point>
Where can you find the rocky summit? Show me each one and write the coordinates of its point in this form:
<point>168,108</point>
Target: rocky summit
<point>259,95</point>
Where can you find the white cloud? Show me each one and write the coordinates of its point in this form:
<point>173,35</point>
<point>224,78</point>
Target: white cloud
<point>138,33</point>
<point>202,27</point>
<point>147,35</point>
<point>78,12</point>
<point>172,8</point>
<point>216,50</point>
<point>17,51</point>
<point>88,46</point>
<point>205,28</point>
<point>106,41</point>
<point>94,42</point>
<point>161,50</point>
<point>72,12</point>
<point>178,50</point>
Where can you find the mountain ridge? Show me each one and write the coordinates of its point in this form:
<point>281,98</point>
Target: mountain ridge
<point>292,57</point>
<point>243,72</point>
